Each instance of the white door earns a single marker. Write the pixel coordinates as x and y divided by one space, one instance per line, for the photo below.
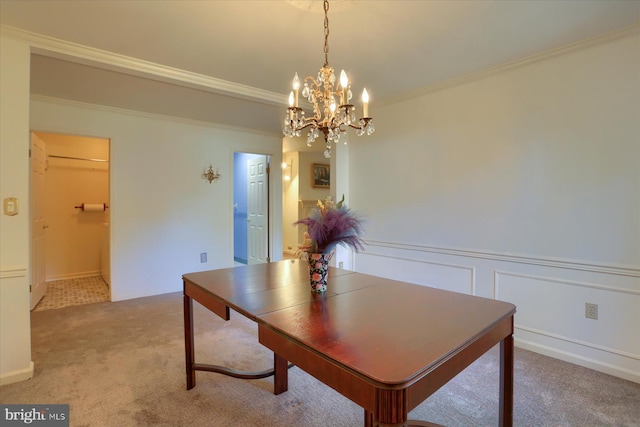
38 162
257 210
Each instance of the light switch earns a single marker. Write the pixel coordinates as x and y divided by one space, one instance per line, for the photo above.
10 206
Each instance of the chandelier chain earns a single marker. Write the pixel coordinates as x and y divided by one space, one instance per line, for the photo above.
326 33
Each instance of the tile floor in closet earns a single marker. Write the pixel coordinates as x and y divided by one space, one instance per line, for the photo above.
77 291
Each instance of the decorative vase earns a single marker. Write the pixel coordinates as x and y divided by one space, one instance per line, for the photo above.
318 269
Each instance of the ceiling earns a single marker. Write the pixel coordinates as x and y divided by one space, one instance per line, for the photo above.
231 62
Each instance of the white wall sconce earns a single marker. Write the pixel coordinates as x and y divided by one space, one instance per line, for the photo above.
287 169
211 175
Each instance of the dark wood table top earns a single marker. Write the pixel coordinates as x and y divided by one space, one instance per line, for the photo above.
389 332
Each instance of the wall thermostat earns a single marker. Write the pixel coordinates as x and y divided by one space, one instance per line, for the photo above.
10 206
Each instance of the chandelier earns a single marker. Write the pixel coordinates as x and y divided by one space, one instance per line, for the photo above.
332 112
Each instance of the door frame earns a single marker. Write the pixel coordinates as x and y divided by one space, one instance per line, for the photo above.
256 160
37 253
110 191
273 176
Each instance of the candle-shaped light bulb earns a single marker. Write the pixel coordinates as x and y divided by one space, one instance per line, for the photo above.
296 82
365 103
290 106
296 87
344 82
284 165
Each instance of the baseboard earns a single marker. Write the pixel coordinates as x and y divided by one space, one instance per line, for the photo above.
74 275
17 376
579 360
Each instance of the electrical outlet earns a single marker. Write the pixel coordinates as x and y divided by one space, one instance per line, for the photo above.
591 311
203 257
341 264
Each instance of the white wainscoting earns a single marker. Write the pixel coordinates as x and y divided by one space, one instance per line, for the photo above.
450 277
550 295
15 333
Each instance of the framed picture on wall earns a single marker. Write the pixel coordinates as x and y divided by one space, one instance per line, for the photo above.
321 175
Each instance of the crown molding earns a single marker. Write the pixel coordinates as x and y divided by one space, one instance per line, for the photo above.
529 60
61 49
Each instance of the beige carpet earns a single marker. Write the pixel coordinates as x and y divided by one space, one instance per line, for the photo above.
122 364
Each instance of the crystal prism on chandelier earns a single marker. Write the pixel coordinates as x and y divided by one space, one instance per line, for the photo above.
333 114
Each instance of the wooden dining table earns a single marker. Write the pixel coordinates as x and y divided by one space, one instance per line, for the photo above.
386 345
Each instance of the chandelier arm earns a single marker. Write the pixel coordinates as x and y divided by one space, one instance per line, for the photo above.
308 121
366 121
306 125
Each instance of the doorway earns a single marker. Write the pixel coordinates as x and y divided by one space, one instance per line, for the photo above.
251 234
69 227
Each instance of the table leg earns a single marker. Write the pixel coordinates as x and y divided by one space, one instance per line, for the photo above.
506 382
188 342
280 374
368 419
390 411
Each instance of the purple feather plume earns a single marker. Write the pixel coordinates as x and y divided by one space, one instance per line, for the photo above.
332 226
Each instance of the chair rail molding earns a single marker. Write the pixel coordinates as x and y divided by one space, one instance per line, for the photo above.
11 272
621 270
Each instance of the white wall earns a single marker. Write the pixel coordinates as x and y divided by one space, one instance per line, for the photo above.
15 333
300 189
306 190
163 213
290 189
340 186
524 186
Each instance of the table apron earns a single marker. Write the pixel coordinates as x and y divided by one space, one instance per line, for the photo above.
209 301
442 374
351 386
366 394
